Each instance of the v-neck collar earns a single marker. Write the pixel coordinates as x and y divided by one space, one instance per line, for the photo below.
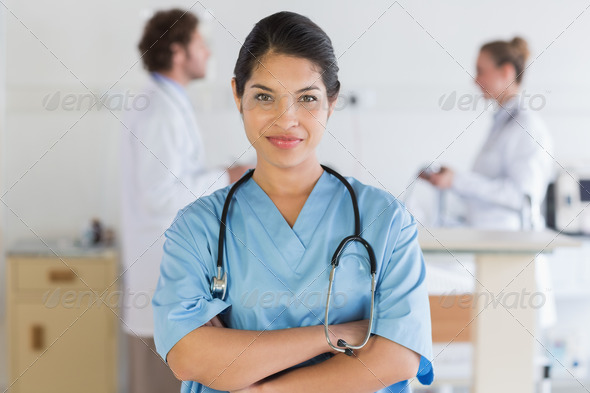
291 242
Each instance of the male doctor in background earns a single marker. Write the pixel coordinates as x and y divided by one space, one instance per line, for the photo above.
163 170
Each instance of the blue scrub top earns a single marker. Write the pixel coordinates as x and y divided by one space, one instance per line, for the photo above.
278 275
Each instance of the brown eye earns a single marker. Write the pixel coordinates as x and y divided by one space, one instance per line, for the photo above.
308 98
263 97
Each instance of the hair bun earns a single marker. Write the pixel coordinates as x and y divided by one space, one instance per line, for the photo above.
521 46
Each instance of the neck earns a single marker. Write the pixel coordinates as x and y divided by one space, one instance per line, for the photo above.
507 95
287 182
176 75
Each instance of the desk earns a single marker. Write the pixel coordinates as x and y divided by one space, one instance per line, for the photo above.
504 330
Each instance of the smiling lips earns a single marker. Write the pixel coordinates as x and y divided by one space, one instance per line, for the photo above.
284 142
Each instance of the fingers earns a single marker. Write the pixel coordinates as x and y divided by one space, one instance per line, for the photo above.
364 323
434 179
216 322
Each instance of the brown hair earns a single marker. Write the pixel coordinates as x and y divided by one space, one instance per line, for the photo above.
162 30
290 34
515 52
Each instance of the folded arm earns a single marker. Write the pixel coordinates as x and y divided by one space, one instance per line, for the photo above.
227 359
230 359
379 364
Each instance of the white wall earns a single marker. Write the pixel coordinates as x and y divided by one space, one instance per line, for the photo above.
60 166
3 338
410 56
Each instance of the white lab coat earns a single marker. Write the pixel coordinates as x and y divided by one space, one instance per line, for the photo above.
514 161
162 170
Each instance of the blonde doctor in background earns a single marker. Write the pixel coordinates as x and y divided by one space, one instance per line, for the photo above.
163 170
515 163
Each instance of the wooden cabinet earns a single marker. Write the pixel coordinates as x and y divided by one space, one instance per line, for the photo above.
62 337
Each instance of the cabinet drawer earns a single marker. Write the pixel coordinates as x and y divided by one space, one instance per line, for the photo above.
46 273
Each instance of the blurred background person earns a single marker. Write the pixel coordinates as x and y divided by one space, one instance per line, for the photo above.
163 170
513 169
508 182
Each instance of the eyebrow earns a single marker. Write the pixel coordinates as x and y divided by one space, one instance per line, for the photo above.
262 87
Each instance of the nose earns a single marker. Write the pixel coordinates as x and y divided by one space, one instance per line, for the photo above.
286 112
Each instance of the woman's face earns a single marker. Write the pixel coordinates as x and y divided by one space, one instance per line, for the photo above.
494 80
285 110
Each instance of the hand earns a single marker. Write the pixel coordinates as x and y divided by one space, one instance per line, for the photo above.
352 332
235 172
254 388
215 322
442 179
424 175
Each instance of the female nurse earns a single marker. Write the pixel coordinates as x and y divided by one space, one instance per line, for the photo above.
514 166
266 334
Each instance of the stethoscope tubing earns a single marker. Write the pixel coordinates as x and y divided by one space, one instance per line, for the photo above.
219 285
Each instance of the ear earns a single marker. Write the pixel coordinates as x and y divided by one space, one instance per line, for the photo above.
332 106
237 99
178 52
509 72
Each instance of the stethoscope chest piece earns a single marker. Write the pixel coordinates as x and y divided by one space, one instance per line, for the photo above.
219 285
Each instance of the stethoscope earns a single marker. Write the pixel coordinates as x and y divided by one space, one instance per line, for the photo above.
219 285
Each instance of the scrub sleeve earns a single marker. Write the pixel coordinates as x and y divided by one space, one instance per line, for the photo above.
402 309
182 301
